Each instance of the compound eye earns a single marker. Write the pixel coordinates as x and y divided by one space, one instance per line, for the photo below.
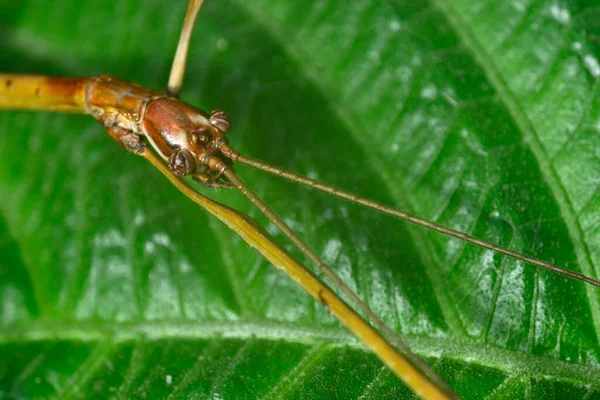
182 163
220 119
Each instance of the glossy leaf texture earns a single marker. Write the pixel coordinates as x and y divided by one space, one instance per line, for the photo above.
481 115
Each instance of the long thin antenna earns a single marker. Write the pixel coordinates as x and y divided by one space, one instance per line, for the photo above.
401 365
402 215
178 67
379 324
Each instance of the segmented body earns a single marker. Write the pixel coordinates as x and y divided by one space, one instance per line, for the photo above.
188 138
183 135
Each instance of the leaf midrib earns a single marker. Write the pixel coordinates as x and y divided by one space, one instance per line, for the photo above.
512 363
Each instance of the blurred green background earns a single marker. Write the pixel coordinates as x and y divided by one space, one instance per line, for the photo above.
481 115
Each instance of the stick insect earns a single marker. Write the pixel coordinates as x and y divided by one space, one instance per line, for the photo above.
221 45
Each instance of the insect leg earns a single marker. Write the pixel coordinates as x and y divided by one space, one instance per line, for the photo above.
132 142
178 67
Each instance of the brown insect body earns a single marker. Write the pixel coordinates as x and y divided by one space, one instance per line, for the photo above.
188 138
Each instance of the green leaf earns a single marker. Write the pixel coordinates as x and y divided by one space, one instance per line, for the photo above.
481 115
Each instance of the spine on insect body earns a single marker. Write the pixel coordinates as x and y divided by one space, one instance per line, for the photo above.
45 93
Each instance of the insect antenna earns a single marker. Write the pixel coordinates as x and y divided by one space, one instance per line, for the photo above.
311 183
390 335
173 89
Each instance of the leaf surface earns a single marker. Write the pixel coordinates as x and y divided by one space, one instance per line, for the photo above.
480 115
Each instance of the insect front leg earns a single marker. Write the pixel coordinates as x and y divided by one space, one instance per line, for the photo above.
132 142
